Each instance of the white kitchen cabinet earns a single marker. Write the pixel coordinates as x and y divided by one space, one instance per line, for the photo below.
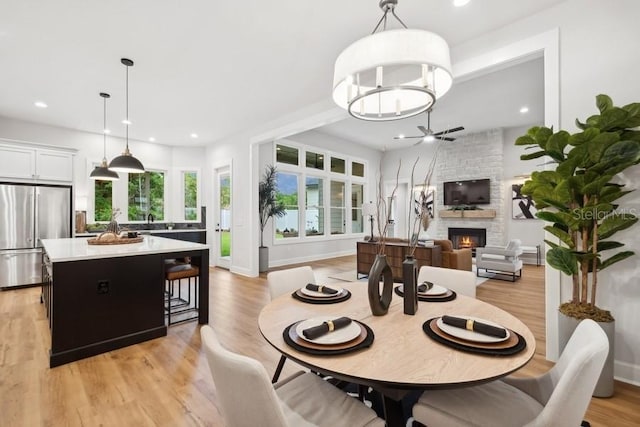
16 162
35 164
54 166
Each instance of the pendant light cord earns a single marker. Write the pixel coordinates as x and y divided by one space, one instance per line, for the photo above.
104 130
383 20
127 106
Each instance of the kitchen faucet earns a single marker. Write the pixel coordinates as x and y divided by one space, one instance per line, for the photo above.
150 219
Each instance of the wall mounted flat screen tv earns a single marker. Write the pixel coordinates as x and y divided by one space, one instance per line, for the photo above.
472 192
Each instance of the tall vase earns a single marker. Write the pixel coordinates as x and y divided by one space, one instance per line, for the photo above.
410 284
380 270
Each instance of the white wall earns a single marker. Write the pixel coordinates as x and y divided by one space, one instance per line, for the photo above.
598 45
89 150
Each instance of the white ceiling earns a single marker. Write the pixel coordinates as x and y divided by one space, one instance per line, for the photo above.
203 66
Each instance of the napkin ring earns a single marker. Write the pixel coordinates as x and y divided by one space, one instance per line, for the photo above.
320 287
470 324
330 325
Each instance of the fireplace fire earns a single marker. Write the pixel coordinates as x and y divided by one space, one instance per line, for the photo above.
472 238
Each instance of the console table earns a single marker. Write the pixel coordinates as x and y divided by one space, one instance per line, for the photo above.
396 252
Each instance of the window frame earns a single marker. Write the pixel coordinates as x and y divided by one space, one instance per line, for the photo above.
166 185
181 216
327 176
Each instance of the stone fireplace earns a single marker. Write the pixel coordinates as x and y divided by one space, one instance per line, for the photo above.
468 237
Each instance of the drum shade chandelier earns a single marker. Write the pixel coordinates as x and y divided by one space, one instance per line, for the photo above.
126 162
392 74
102 172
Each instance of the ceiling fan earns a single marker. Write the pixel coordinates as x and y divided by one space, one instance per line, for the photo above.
429 135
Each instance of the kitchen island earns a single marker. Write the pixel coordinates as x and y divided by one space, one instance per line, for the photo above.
104 297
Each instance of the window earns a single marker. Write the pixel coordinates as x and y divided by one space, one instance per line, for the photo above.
337 165
338 220
285 154
103 199
314 206
315 160
146 196
357 195
357 169
287 194
190 189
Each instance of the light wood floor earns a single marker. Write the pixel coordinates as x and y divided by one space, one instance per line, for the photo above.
166 382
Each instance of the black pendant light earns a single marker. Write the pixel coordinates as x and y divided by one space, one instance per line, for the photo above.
102 172
126 162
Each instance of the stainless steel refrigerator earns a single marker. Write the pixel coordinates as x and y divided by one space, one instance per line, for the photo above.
29 213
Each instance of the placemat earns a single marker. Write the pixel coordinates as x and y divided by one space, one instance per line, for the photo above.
342 296
515 344
364 340
448 296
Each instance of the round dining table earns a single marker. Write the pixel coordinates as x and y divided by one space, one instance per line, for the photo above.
402 357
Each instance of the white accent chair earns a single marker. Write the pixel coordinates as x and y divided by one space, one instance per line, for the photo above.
245 397
501 260
284 281
560 397
460 281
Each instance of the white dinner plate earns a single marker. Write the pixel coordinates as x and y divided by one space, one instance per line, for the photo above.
435 290
471 335
338 336
316 294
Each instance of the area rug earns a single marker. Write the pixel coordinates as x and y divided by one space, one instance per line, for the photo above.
352 276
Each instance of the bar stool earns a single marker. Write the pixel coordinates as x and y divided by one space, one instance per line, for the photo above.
176 303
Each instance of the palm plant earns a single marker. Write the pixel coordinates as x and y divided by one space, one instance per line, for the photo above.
268 205
580 196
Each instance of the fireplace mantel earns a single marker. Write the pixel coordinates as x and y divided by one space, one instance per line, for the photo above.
477 213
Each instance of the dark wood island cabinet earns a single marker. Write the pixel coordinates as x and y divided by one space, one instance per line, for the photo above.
100 298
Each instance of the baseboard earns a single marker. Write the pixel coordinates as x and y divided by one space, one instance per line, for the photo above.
626 372
317 257
241 271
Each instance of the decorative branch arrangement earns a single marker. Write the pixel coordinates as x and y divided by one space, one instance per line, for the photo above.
383 210
421 217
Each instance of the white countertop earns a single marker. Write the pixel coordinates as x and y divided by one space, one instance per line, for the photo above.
61 250
181 230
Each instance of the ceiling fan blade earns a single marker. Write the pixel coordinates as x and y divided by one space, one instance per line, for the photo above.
459 128
443 138
408 137
423 129
418 143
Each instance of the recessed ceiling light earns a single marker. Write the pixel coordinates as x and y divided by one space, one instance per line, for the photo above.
106 131
194 135
152 139
401 136
524 110
126 122
40 104
460 3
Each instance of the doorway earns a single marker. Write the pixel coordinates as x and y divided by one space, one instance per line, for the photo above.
222 216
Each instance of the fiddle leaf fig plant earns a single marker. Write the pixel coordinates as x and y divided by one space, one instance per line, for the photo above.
580 197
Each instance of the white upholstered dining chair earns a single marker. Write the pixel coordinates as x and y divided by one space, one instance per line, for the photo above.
460 281
560 397
283 281
247 398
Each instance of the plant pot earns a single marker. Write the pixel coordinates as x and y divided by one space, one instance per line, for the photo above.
566 326
380 271
410 284
263 258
